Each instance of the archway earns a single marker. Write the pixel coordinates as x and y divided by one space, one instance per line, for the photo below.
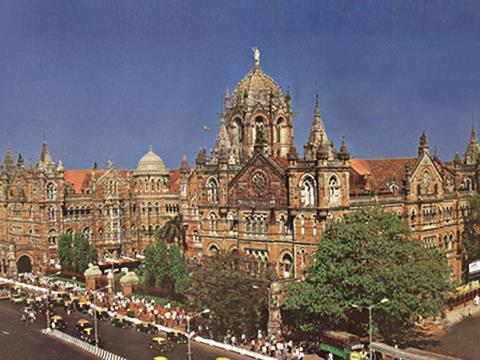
24 264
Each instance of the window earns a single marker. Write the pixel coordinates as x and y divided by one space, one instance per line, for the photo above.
195 236
100 234
50 191
333 190
282 225
52 238
286 264
212 190
213 222
87 234
314 227
232 223
307 186
302 224
51 213
133 231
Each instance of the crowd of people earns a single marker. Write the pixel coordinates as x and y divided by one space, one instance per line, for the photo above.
149 311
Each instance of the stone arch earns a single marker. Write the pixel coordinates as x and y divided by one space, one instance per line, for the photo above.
212 186
308 187
286 264
334 189
213 249
24 264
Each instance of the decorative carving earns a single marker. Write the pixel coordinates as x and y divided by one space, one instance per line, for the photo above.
259 182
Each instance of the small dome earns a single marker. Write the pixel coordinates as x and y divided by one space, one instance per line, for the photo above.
151 162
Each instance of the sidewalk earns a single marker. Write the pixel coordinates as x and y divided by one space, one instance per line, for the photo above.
461 312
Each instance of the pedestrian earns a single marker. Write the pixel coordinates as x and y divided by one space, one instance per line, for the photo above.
476 300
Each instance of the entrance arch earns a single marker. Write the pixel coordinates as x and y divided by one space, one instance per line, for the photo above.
24 264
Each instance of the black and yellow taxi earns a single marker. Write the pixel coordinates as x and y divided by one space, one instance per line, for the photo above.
57 322
82 324
122 322
177 336
102 313
160 343
147 327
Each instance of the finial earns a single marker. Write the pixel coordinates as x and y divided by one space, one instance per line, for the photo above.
256 56
150 148
317 103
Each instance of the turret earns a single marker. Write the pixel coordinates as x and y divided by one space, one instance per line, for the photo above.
318 136
8 162
473 149
343 153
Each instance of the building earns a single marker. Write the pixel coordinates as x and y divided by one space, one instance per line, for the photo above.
116 210
255 194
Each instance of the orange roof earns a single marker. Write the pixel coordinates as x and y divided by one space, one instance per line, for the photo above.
79 177
282 162
174 180
378 173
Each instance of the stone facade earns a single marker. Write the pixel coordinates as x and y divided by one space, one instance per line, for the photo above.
255 194
116 210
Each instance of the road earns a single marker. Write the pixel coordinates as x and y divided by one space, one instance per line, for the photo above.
19 341
461 340
124 342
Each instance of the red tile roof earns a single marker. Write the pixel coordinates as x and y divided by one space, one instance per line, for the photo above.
79 178
174 180
377 174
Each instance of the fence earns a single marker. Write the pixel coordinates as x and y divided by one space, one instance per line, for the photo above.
101 353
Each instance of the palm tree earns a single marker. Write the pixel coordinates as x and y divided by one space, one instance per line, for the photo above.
175 232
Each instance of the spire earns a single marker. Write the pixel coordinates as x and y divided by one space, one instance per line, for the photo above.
457 160
184 163
20 161
223 144
473 149
343 153
8 162
423 144
45 158
318 135
201 157
317 106
60 166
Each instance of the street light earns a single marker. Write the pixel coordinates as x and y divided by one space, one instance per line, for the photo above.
48 294
95 312
383 301
189 353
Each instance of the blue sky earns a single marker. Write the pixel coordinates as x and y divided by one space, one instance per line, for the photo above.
104 79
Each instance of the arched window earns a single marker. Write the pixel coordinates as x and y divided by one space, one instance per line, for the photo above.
69 232
87 234
212 190
302 224
196 236
307 186
213 249
50 191
52 238
314 225
450 242
133 231
213 222
51 213
100 234
232 223
413 216
286 264
426 180
333 190
282 225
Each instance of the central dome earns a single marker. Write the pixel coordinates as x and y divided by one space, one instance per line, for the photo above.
257 82
151 163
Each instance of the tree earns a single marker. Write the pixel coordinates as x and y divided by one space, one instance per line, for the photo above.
66 252
83 253
471 235
165 266
364 258
226 284
175 232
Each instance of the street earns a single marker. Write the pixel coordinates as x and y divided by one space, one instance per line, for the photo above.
26 341
461 340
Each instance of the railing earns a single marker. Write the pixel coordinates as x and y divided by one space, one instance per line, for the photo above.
96 351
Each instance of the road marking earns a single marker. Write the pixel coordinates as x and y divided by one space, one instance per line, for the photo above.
5 332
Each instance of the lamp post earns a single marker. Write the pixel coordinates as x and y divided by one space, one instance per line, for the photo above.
189 352
383 301
47 311
95 312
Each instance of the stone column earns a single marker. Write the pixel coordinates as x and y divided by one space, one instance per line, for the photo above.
127 282
91 275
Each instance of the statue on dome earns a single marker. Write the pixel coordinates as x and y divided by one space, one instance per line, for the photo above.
256 56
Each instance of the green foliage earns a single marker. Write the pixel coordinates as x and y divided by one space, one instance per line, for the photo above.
471 235
224 283
364 258
66 252
165 267
175 232
76 253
